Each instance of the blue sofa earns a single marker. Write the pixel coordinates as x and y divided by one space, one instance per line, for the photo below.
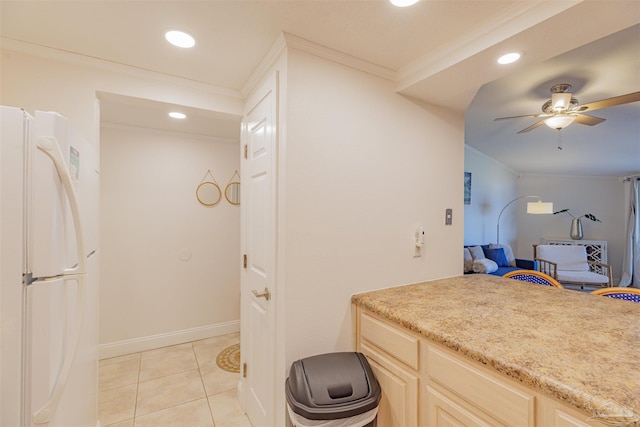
521 264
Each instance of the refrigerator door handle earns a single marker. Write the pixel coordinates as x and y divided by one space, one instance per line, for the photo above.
48 410
50 147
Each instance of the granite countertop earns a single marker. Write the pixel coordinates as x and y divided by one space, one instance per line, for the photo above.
583 349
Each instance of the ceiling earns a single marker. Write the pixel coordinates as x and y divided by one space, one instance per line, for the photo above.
602 69
439 51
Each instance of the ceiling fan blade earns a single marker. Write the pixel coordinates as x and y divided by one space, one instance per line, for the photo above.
532 127
522 117
585 119
609 102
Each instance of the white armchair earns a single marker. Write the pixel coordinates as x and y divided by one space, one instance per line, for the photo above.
568 264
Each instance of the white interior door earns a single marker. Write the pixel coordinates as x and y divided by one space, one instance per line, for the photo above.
258 277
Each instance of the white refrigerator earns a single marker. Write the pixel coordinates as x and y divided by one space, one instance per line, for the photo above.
49 189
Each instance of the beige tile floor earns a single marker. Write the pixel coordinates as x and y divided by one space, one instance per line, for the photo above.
171 386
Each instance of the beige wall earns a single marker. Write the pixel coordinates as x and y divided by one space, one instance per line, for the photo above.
41 79
168 263
360 167
493 185
365 166
53 81
602 196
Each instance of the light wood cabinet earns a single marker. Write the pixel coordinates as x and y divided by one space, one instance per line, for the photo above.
394 359
426 384
480 388
559 415
400 390
444 409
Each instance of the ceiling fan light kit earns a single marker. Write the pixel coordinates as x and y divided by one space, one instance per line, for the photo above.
563 109
559 121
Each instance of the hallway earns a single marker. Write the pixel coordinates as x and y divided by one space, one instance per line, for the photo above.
172 386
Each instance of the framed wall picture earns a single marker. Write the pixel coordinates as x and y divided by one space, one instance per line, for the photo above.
467 188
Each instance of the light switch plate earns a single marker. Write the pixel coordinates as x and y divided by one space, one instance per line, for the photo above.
448 216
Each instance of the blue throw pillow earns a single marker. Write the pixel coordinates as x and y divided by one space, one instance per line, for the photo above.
497 255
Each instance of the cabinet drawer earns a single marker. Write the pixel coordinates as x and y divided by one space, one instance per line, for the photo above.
444 410
403 347
492 395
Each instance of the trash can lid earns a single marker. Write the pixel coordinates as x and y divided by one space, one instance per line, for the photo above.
332 385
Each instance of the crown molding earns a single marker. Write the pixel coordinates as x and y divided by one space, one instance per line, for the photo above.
290 41
114 67
278 47
520 16
316 49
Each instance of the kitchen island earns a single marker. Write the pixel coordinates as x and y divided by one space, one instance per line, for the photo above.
485 350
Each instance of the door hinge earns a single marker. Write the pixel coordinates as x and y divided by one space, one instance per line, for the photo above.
246 148
244 261
244 370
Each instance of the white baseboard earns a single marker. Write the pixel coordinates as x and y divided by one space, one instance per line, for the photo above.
136 345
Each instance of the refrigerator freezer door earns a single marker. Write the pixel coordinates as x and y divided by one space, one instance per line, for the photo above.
52 139
54 238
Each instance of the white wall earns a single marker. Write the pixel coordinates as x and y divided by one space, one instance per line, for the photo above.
151 222
604 197
493 185
365 166
41 79
67 83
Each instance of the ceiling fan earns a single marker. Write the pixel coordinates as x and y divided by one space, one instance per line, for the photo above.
563 109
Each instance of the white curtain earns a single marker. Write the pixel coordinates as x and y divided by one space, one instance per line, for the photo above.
631 261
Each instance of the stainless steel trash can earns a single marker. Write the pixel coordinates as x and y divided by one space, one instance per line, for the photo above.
332 390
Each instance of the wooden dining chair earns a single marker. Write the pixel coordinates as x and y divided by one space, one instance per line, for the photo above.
533 276
628 294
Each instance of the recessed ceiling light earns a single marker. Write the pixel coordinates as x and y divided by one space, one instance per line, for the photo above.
509 58
179 38
403 3
177 115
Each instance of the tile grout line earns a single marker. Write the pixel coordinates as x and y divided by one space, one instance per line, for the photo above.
135 406
206 396
200 364
181 403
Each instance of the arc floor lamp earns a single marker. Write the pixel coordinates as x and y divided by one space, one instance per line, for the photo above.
535 208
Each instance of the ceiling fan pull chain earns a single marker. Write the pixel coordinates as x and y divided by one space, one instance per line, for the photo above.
559 140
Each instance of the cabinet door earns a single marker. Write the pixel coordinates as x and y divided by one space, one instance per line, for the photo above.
399 403
563 416
445 410
562 419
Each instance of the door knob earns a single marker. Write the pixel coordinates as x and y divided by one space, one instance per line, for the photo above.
264 294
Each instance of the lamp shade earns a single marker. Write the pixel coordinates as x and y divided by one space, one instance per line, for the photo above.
540 207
